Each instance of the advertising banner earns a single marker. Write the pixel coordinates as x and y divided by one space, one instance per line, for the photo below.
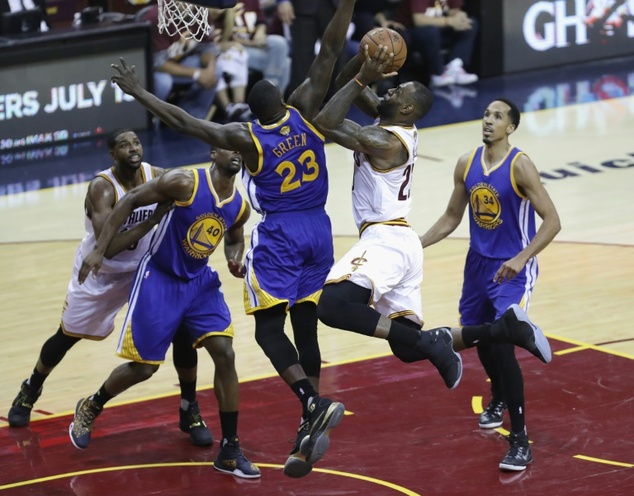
65 99
546 33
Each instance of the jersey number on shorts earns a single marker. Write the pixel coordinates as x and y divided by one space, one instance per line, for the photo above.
292 178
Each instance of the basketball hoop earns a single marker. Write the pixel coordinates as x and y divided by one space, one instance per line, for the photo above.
189 20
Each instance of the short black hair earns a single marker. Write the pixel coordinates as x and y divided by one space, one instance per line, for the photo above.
112 137
423 99
264 99
514 111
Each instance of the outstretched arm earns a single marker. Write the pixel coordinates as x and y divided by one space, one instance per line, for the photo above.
234 136
309 95
176 184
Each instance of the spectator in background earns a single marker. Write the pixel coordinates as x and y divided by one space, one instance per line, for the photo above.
186 65
370 14
231 67
307 21
18 5
268 53
434 25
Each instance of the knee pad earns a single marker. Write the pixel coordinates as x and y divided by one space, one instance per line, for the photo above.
403 352
183 353
304 322
270 336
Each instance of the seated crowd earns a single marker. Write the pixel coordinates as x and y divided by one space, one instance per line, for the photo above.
277 40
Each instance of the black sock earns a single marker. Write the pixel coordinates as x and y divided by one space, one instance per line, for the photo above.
188 390
102 396
403 334
229 425
473 335
36 381
304 390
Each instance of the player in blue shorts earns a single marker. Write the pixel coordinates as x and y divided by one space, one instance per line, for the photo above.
291 248
503 189
90 309
174 287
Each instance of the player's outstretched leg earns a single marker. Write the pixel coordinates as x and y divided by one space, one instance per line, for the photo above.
515 327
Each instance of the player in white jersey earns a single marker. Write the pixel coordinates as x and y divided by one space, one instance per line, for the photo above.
375 288
90 309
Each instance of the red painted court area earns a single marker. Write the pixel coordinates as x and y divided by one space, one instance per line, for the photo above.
405 433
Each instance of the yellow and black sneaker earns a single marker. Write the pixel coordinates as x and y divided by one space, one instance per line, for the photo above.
231 460
193 424
20 411
86 412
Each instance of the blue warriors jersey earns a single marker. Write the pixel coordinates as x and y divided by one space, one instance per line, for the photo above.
192 231
502 219
291 173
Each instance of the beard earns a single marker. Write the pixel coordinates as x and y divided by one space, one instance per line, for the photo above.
487 141
386 110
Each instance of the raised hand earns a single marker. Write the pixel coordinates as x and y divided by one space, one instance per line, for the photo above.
374 66
126 77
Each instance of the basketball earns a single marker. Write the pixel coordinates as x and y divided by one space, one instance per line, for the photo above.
388 38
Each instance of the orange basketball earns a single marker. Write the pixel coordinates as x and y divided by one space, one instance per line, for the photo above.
388 38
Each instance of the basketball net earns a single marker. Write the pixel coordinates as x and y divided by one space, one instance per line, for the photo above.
184 19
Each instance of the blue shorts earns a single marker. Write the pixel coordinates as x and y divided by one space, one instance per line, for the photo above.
290 256
483 300
160 303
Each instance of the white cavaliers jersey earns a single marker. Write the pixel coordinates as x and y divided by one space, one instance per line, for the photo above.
127 260
383 196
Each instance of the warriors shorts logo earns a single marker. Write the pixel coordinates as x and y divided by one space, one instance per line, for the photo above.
204 235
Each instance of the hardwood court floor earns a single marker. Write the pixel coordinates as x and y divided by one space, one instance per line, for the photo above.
404 433
425 443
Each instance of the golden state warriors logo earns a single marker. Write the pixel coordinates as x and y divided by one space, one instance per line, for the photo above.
204 235
485 206
285 130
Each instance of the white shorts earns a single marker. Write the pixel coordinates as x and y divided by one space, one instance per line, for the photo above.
90 308
389 261
234 63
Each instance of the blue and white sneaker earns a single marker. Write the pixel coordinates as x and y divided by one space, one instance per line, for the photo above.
231 460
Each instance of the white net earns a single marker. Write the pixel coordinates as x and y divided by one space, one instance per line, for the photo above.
185 19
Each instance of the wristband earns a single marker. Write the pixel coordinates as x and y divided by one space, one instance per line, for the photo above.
359 82
196 75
